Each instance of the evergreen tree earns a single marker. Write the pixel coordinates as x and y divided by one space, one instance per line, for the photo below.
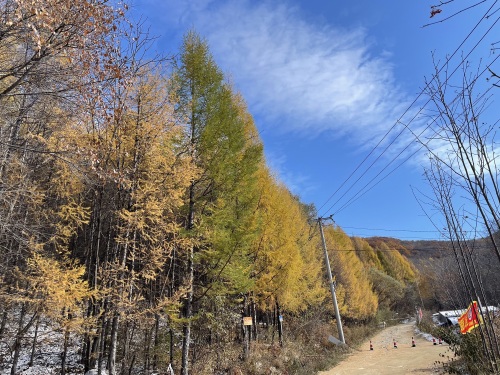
220 200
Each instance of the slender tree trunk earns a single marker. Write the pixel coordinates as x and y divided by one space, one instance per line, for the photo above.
92 345
156 342
254 320
147 354
13 137
188 313
102 340
113 342
132 363
126 350
33 345
171 346
280 323
273 323
21 331
65 352
245 330
17 342
94 350
3 324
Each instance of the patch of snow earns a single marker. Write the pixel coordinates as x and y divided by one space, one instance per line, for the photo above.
95 372
426 336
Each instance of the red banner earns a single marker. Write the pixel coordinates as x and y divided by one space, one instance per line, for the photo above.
470 319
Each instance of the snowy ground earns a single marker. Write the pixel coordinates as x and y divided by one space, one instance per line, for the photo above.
47 354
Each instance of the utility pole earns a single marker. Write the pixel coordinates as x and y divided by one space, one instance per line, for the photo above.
332 285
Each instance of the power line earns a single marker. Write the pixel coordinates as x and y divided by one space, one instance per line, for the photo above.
362 191
389 250
406 126
394 230
399 120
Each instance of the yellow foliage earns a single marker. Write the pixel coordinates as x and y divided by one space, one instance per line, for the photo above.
355 293
366 253
287 264
57 290
395 264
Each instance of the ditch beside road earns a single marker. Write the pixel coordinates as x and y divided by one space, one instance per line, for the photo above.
384 359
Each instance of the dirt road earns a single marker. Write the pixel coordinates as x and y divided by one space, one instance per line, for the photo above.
384 359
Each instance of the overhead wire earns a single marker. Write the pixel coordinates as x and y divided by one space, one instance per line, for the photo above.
406 126
417 137
393 230
362 191
404 113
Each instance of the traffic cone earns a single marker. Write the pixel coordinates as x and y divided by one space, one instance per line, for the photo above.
440 341
395 344
371 346
434 341
413 342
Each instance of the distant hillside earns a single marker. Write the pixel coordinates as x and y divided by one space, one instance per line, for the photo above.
414 250
440 283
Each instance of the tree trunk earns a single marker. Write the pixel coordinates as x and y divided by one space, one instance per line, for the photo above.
21 331
280 323
126 350
254 320
113 342
65 352
171 346
17 342
33 345
102 341
156 342
188 313
147 351
245 330
4 322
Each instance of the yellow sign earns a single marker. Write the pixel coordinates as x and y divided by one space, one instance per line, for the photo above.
247 320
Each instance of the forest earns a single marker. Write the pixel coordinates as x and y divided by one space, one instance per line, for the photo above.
139 221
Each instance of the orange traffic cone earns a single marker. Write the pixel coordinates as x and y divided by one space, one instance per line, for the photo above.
371 346
413 342
434 341
395 344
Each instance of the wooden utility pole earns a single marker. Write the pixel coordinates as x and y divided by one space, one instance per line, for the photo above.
330 281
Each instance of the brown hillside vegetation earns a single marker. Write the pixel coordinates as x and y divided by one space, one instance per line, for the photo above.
439 273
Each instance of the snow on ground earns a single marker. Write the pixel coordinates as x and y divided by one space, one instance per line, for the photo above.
426 336
47 354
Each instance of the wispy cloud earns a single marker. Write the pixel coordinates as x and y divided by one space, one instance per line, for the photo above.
306 78
297 182
298 77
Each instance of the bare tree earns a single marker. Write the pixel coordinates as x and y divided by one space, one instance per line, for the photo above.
464 175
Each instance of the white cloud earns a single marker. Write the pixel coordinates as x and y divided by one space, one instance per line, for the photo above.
306 78
298 77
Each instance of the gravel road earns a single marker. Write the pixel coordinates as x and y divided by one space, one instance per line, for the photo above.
384 359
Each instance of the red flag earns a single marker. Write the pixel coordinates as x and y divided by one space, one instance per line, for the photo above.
470 319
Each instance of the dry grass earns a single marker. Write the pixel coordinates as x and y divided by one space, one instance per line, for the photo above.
306 350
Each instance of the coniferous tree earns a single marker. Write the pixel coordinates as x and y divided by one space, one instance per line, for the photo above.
219 201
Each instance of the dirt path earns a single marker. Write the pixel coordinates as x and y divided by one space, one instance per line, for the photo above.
384 359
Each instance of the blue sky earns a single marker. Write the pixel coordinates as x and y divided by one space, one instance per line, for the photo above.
325 80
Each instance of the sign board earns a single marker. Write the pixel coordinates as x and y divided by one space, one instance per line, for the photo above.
280 318
247 320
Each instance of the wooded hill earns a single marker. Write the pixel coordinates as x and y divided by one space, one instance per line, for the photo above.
440 282
138 217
